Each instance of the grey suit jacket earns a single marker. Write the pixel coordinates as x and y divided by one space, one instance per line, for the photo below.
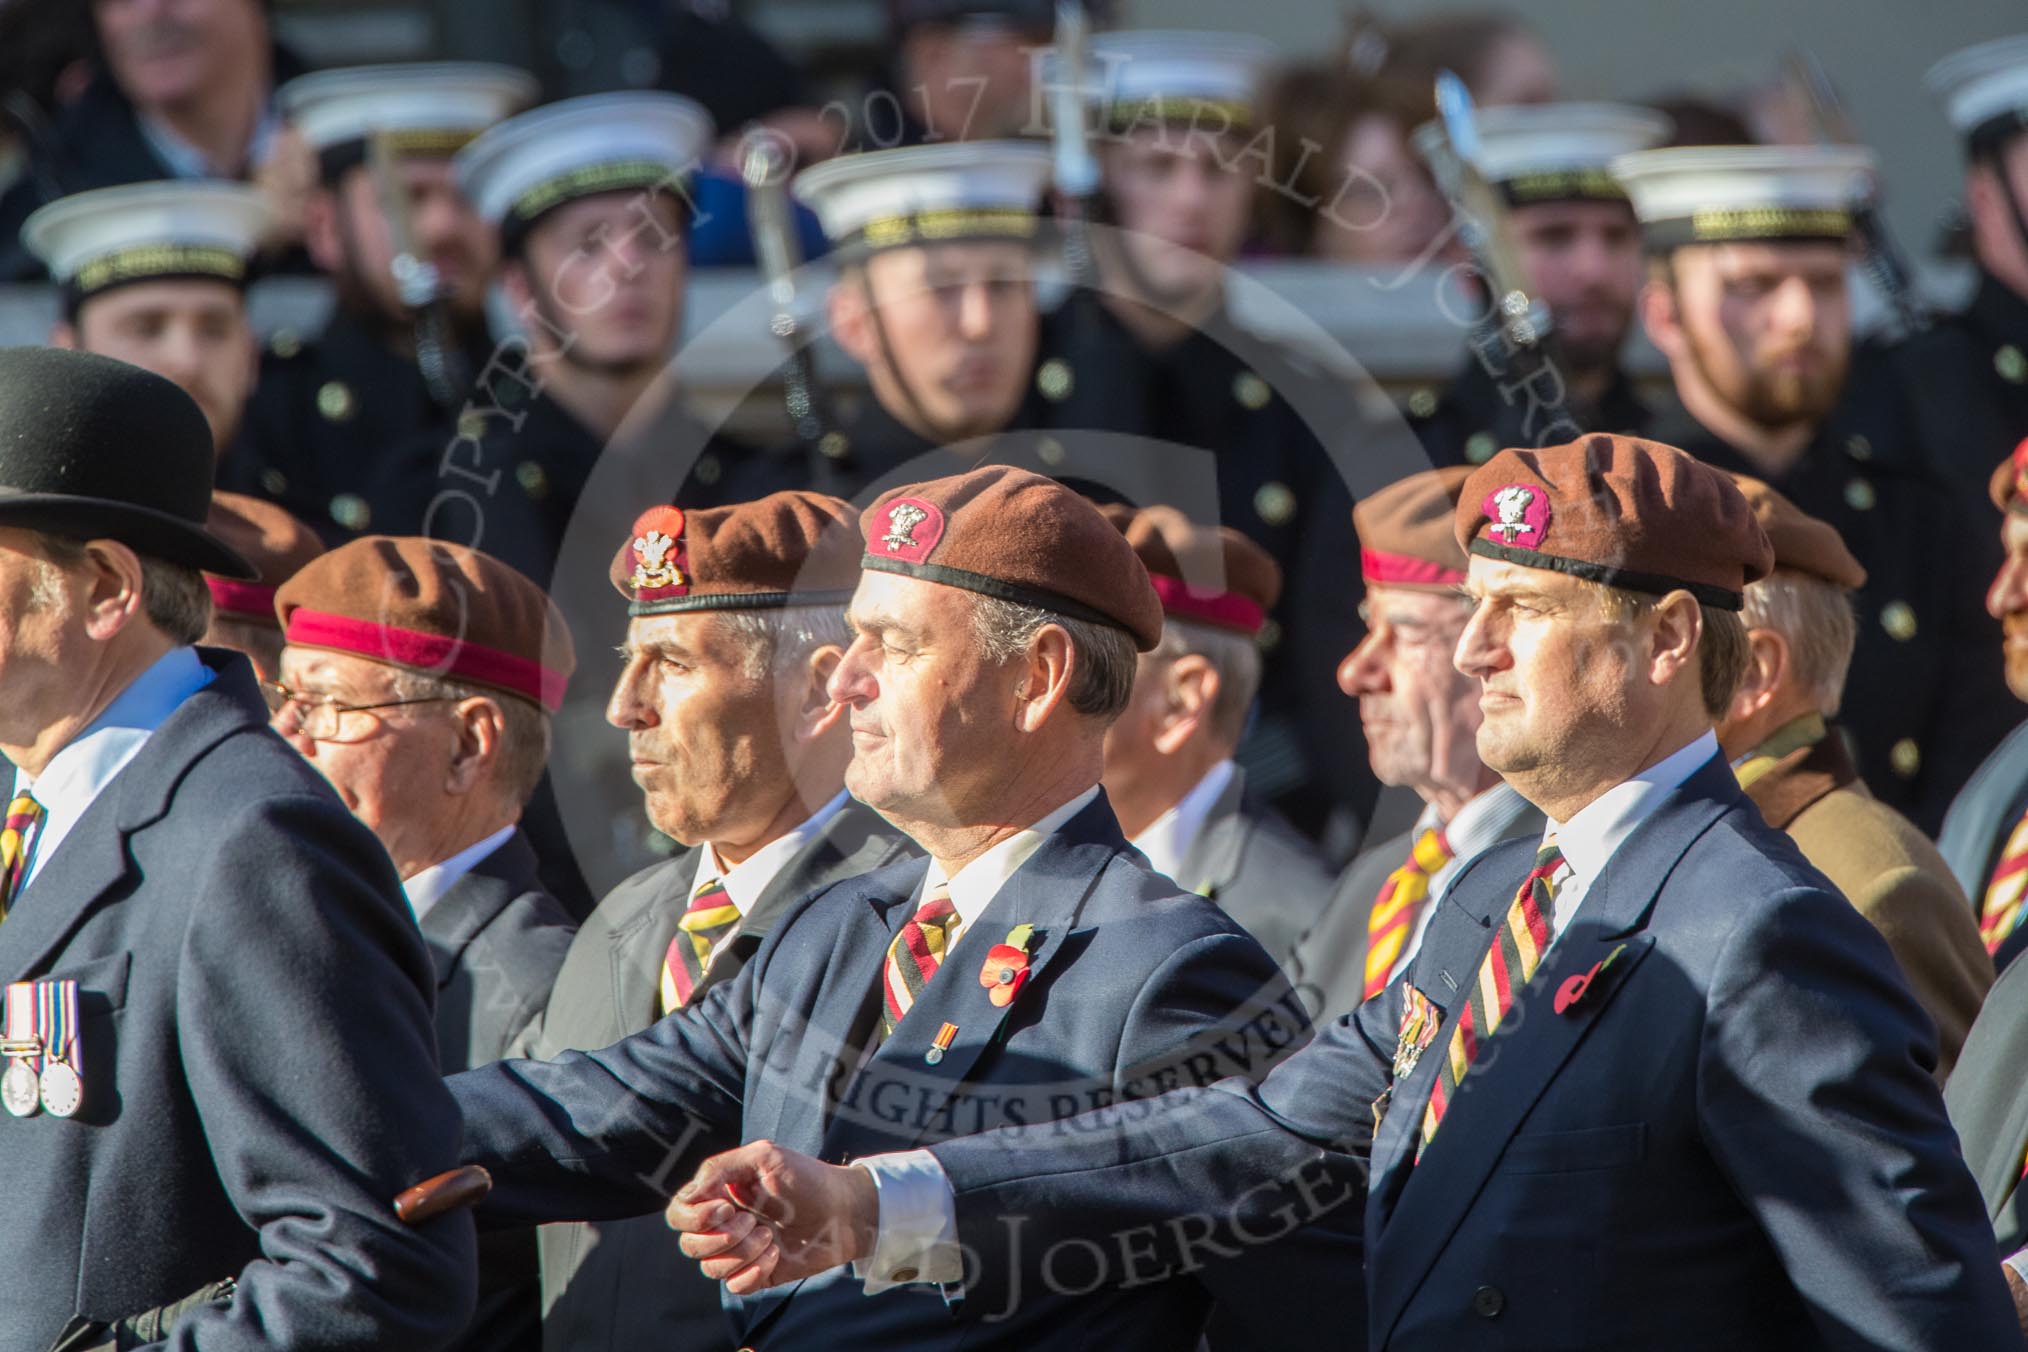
1988 1100
1329 967
1984 811
624 1285
1259 869
497 940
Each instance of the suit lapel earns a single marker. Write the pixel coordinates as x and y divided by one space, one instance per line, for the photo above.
475 901
1514 1067
640 941
1214 857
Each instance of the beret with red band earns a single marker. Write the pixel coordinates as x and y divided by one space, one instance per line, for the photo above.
274 542
1620 511
1014 535
434 607
1209 576
793 548
1408 534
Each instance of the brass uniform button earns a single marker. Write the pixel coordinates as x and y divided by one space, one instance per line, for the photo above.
902 1274
710 469
534 480
1270 636
1050 452
471 424
834 445
335 401
1422 402
1906 758
2012 366
350 511
285 343
1859 495
1859 447
1251 391
1275 503
1481 447
1898 619
1055 380
274 481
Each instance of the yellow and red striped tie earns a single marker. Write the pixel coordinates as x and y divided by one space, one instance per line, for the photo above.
1400 901
916 954
17 838
710 915
2001 910
1516 952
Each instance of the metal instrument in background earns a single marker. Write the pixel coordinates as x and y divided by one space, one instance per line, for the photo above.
417 282
1075 171
770 220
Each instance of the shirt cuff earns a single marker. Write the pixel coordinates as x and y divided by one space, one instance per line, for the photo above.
917 1236
2016 1261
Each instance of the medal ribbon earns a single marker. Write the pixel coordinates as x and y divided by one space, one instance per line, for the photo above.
56 1017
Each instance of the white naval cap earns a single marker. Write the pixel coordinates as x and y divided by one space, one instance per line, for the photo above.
422 107
928 194
621 142
139 232
1984 90
1556 152
1714 194
1157 75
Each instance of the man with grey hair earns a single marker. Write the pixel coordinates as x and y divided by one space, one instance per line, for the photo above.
1031 966
736 622
1169 770
1800 632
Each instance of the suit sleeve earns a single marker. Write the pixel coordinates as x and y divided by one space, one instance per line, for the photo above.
303 1013
1883 1235
602 1135
1194 1176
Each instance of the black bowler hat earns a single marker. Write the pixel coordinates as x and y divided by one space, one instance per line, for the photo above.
97 449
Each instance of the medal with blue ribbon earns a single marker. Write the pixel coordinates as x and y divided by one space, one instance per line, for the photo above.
61 1087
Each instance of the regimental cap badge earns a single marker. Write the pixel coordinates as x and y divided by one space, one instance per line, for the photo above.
910 529
658 555
1519 513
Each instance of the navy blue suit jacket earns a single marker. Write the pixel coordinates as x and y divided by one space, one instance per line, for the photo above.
1133 989
1732 1140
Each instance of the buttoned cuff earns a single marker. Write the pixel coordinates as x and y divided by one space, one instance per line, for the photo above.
917 1236
2016 1261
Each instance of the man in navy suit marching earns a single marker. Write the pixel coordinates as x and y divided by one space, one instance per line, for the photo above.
1031 968
1650 1081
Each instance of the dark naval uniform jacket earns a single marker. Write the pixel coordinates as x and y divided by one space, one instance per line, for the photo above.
1469 420
594 1294
1259 869
1967 378
1984 815
1130 985
260 1074
1925 699
1708 1122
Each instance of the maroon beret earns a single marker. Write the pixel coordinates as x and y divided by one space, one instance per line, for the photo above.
1801 542
438 608
1211 576
1408 533
1617 510
791 548
1008 533
274 542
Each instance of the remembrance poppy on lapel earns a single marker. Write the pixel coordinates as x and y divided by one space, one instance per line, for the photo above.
1006 969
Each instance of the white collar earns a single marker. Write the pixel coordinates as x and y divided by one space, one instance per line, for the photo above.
428 887
977 883
746 880
1168 839
1591 837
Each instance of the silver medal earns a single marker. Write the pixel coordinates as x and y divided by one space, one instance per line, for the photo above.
19 1092
61 1090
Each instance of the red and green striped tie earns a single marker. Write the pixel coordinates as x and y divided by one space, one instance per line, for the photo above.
17 838
709 917
2000 911
916 954
1516 952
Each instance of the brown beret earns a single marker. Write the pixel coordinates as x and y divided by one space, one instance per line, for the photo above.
1211 576
1801 542
1008 533
2009 483
1617 510
270 539
1408 532
430 606
792 548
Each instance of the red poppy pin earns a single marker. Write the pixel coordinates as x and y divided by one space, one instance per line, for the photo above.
1573 991
1006 969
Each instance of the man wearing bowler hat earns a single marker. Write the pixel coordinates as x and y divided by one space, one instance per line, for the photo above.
1031 966
219 1056
1650 1082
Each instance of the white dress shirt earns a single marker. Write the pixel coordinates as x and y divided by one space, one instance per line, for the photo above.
918 1216
1168 839
918 1222
427 888
1471 833
745 881
81 770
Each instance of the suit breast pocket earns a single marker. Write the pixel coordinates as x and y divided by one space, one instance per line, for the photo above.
101 983
1588 1148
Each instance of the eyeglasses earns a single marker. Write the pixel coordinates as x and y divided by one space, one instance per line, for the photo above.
323 719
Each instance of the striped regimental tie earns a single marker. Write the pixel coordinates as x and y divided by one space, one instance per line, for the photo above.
710 917
17 838
1401 900
1516 952
915 955
2001 910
